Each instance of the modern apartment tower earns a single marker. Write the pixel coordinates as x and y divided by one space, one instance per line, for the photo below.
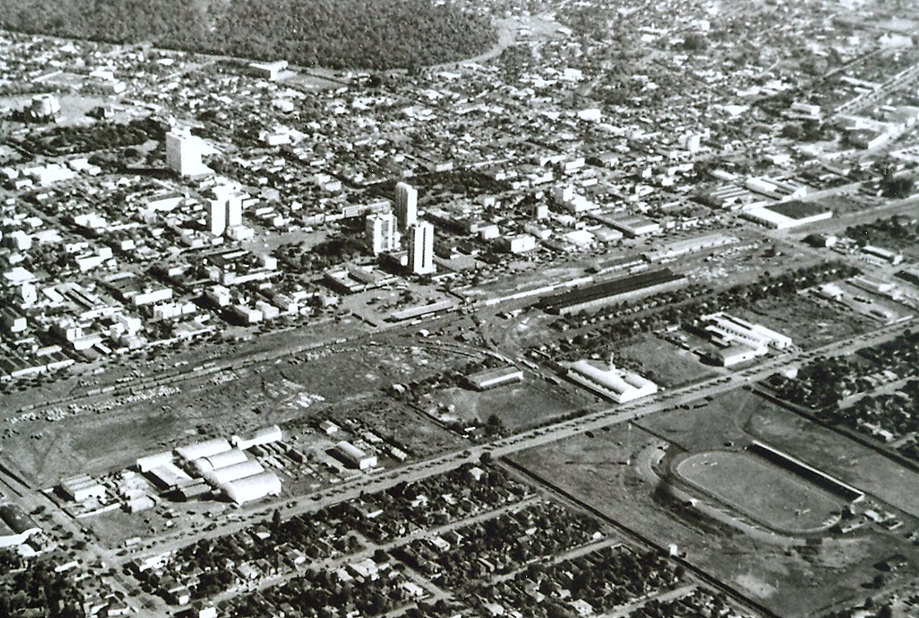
421 248
380 230
225 211
234 209
183 153
406 205
216 216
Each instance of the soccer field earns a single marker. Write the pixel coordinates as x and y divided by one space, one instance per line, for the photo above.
761 490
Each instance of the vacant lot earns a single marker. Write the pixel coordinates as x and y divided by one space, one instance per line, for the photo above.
662 362
761 490
394 421
237 401
519 406
810 322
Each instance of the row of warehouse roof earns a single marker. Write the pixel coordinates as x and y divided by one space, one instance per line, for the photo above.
218 463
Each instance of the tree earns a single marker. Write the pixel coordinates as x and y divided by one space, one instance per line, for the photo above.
897 187
695 42
556 610
494 426
792 131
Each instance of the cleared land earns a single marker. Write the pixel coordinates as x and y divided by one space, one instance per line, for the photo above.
662 362
300 389
810 322
620 473
761 490
519 406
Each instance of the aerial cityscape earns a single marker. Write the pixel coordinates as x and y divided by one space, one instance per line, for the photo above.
459 308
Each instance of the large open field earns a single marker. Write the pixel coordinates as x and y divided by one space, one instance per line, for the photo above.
294 389
761 490
810 322
743 416
519 406
662 362
622 473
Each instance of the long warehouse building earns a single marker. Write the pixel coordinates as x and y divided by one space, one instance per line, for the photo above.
207 448
220 476
253 487
608 293
220 460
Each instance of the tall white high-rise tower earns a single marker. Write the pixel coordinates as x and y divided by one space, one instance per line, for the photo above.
406 205
421 248
184 152
380 230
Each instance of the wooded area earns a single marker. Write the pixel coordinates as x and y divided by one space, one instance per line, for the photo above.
383 34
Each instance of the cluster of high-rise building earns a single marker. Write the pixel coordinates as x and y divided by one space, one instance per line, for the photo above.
381 233
385 231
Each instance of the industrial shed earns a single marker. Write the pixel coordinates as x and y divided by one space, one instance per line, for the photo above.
355 456
169 476
218 477
82 487
145 464
220 460
493 378
208 448
620 386
607 293
253 487
194 490
265 435
15 526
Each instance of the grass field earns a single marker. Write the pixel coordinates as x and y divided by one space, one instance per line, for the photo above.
743 416
519 406
810 322
761 490
662 362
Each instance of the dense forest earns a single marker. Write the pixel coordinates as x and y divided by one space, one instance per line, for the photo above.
382 34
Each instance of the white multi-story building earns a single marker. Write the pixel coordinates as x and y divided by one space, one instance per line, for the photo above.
421 249
381 232
184 152
46 106
406 205
216 216
225 212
